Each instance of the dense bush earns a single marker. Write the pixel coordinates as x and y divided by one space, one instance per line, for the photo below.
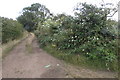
11 29
88 33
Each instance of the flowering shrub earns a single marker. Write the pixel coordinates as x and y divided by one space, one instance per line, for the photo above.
86 34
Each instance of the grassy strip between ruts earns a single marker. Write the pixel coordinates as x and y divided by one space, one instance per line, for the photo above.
6 48
78 60
29 47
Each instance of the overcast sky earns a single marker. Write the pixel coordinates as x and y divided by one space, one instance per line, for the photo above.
12 8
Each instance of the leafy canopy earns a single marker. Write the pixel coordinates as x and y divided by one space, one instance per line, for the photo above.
32 15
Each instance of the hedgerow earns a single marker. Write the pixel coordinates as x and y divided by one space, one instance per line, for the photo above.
11 30
88 34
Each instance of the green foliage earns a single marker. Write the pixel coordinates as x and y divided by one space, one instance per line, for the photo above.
78 60
32 15
0 30
11 30
27 20
88 33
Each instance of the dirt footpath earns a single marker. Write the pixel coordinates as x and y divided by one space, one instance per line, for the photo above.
27 60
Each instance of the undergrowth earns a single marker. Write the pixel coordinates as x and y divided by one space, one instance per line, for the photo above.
80 60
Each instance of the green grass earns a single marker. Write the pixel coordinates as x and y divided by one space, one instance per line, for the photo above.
78 60
29 48
6 48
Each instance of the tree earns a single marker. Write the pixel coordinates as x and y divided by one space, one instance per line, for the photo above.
110 12
32 15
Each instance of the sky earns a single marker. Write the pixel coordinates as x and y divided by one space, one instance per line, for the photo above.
13 8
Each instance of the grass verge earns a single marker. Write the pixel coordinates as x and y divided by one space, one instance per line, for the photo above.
79 60
6 48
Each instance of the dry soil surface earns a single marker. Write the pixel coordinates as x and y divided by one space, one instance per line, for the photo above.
27 60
